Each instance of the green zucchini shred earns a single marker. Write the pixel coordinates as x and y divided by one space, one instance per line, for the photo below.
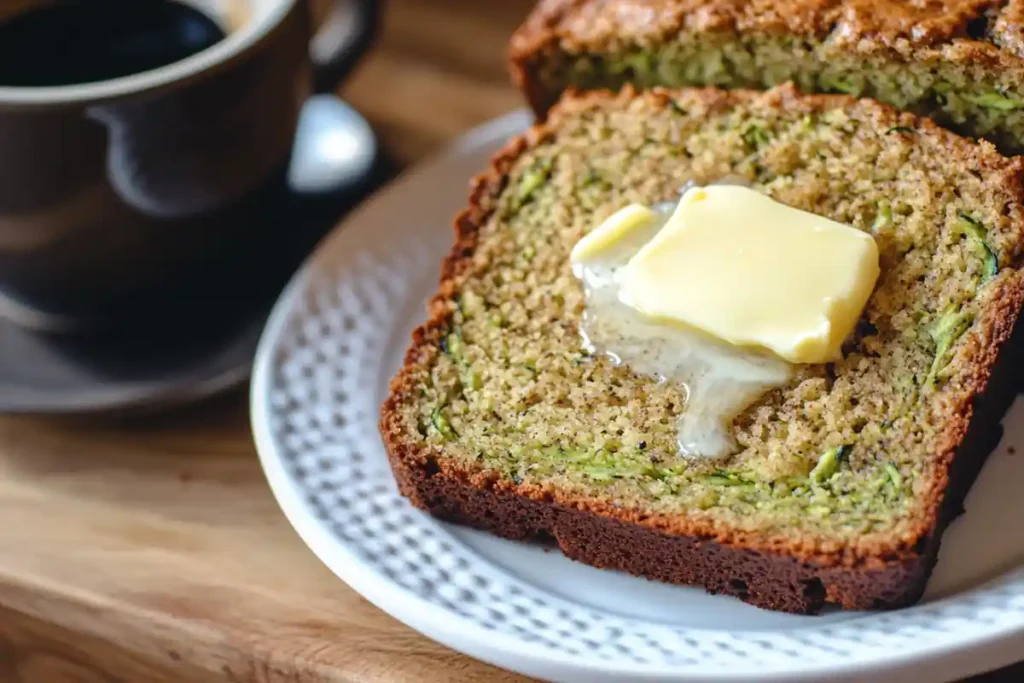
532 180
641 65
883 219
728 478
994 100
442 425
756 137
828 463
601 474
944 333
846 84
894 476
974 231
454 347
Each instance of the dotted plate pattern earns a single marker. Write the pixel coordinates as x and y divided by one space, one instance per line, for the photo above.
335 338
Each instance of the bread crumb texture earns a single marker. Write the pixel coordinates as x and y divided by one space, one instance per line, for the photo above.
850 455
960 62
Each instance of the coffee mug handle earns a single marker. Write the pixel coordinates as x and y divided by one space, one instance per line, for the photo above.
344 37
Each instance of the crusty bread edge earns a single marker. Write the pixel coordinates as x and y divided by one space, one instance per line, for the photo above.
786 574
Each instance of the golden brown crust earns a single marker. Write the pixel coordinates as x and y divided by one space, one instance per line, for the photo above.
595 25
896 566
766 579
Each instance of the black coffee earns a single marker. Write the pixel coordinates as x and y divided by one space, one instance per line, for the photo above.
84 41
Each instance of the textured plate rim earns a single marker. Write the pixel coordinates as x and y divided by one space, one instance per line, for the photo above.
998 647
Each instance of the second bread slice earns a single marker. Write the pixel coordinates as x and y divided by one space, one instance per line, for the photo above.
961 63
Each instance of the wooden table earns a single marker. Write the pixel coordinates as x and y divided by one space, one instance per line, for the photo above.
151 550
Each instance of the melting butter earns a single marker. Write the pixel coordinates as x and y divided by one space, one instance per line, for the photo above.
719 380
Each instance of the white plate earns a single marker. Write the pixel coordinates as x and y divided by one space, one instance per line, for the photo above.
337 336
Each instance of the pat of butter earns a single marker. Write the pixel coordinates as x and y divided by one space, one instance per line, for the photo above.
750 271
613 231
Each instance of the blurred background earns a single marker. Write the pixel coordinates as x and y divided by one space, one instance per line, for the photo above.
438 69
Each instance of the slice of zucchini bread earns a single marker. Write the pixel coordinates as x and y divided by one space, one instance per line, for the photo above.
845 478
960 62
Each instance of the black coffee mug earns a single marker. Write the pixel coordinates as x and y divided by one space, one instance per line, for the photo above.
113 190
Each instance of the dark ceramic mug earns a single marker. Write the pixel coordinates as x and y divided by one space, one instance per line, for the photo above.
111 191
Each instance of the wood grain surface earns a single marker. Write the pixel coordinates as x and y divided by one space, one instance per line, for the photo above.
152 550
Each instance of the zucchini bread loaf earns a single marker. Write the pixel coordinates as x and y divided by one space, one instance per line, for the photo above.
960 62
843 479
